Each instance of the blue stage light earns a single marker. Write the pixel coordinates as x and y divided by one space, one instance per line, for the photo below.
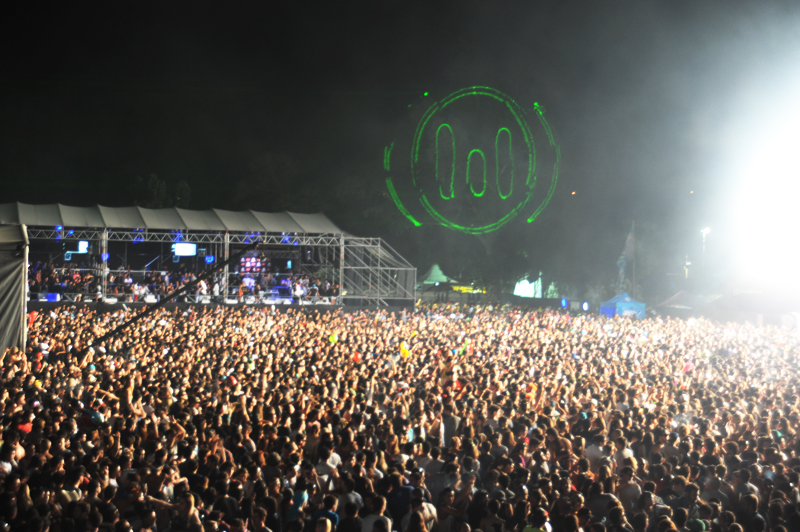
564 302
209 259
104 257
585 306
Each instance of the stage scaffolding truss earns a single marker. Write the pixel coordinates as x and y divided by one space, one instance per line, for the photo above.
369 271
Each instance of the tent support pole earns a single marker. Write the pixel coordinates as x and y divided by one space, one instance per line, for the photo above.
341 270
104 263
225 253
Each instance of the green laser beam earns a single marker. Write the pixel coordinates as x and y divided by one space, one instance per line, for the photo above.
469 160
497 163
398 203
420 127
552 189
452 163
387 156
474 230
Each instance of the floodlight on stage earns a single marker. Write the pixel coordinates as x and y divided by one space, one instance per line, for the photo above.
564 302
585 306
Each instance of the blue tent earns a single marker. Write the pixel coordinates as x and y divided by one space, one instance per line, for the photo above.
622 305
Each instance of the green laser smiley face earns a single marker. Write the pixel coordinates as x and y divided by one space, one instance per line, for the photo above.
473 163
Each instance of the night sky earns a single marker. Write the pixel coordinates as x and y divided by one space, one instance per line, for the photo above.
289 108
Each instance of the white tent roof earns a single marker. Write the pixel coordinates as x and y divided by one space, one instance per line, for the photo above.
436 275
165 219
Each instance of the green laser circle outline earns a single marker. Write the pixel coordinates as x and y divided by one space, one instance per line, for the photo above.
530 180
539 110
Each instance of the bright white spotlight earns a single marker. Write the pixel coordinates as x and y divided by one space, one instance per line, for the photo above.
766 250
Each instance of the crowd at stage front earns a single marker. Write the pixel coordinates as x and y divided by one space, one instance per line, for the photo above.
443 419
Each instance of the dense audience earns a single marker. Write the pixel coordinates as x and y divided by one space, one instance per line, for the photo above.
45 277
83 282
446 419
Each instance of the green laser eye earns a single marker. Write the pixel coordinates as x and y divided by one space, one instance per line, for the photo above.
515 160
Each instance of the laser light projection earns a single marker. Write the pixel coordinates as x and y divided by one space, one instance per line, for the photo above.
473 163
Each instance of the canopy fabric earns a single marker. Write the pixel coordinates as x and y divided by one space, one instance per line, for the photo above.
13 286
623 305
172 219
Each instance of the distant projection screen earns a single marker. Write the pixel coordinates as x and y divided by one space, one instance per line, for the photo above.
527 289
184 249
13 285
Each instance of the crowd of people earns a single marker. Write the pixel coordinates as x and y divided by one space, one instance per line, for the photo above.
442 419
83 282
45 277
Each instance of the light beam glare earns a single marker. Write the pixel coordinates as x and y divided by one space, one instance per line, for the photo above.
767 249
